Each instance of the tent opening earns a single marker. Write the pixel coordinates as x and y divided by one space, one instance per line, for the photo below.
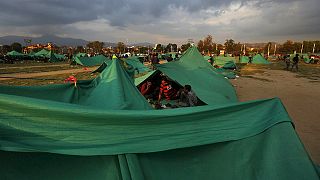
164 93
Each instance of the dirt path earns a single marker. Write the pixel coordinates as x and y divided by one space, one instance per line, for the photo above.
24 67
300 96
40 74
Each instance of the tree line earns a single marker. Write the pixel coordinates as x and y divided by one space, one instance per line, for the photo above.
205 46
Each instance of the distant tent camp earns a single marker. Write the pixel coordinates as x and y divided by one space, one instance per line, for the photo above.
104 129
257 59
16 54
91 61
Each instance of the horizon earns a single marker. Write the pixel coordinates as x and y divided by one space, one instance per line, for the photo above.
142 42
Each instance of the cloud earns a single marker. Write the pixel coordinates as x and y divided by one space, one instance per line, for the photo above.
166 20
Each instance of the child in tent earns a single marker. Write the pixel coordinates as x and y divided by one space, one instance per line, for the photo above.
187 97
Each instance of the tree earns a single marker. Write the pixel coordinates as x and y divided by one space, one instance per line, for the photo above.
159 48
95 46
206 45
184 47
5 49
16 47
121 47
80 49
171 47
200 46
229 44
287 47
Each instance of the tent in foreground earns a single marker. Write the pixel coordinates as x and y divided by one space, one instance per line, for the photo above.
103 129
41 139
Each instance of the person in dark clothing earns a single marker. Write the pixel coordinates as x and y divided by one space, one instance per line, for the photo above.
287 61
187 97
169 59
176 57
154 60
250 59
295 62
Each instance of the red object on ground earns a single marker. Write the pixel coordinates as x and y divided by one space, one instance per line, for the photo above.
71 79
85 68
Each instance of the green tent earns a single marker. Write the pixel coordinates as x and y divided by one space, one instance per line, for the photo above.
257 59
43 139
244 59
104 129
16 54
113 82
211 87
206 58
136 64
43 53
229 65
222 60
91 61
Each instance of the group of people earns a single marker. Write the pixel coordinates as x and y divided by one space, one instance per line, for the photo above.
295 62
169 93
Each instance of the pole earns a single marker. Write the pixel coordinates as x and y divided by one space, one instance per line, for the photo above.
314 47
301 48
268 50
275 49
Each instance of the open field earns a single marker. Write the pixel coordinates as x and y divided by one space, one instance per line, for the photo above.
299 91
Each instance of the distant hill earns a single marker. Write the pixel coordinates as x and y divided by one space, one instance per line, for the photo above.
59 41
146 44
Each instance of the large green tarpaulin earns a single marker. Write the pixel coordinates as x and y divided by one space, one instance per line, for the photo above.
104 129
211 87
54 140
91 61
257 59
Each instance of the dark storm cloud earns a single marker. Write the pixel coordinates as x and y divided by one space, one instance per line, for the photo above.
158 17
118 12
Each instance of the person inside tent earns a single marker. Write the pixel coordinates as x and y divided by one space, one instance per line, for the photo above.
187 97
149 91
167 90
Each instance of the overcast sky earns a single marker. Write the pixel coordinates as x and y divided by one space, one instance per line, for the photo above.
163 21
